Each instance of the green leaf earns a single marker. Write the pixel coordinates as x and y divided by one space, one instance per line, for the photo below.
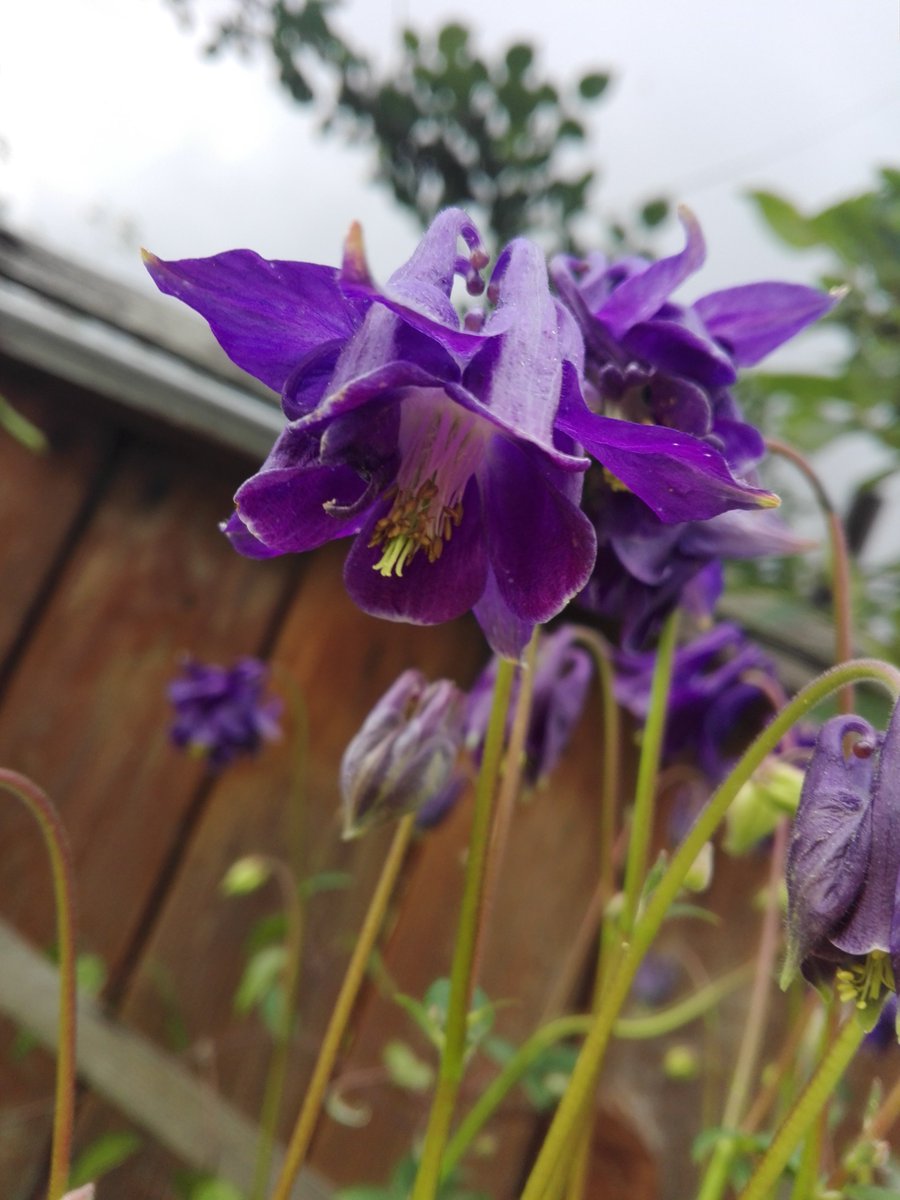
593 84
784 220
654 212
325 881
405 1067
108 1151
519 58
262 973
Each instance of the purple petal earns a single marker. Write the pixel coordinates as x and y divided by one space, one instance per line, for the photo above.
287 507
419 291
243 540
541 545
670 347
518 375
743 534
642 295
680 477
751 321
506 633
267 316
427 593
870 927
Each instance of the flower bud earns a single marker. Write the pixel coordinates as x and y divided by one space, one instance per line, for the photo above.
844 862
772 793
404 758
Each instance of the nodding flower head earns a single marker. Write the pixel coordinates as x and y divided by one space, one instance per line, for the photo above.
843 865
405 757
429 440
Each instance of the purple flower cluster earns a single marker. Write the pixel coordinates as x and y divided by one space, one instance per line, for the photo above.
661 370
454 451
221 712
724 688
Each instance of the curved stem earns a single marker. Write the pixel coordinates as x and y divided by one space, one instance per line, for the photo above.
840 563
493 1095
454 1053
648 769
278 1062
581 1087
814 1097
510 782
343 1008
716 1175
43 811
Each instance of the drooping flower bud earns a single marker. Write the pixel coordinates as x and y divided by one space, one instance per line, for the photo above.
844 863
404 758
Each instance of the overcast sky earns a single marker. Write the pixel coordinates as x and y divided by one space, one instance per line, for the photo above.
117 133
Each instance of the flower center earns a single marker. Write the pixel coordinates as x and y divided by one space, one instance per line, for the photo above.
865 982
440 446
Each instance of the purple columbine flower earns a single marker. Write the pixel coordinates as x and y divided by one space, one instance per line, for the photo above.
221 712
723 689
562 679
843 869
405 756
658 376
430 441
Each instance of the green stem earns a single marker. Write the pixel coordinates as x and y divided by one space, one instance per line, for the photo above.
610 782
507 793
580 1091
277 1072
716 1175
648 769
454 1053
293 901
816 1094
631 1028
43 811
496 1092
343 1008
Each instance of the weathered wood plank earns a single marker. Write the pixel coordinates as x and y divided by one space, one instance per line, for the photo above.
342 661
42 496
164 1099
85 713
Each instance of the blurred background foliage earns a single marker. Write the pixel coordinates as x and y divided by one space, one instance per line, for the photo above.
449 125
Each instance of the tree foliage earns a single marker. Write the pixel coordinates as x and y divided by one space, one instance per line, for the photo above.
449 125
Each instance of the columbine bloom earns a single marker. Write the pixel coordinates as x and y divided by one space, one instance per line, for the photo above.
562 678
669 435
843 866
221 712
405 756
430 441
723 686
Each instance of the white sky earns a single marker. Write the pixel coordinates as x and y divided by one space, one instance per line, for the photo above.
118 134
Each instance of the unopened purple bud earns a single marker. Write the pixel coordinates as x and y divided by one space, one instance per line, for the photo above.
844 863
404 758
